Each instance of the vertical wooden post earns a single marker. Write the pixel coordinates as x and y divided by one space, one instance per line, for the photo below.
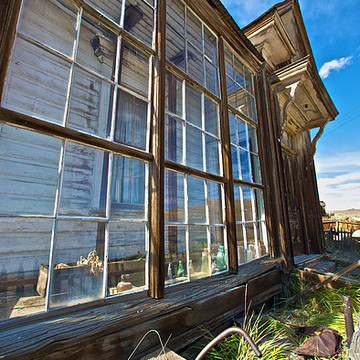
226 154
156 224
9 12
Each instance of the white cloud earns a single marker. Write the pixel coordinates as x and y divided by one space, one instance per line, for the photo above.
339 180
335 64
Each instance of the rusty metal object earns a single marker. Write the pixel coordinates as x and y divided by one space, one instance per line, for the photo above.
349 322
224 334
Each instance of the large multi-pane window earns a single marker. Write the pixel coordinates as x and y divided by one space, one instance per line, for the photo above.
74 217
74 198
251 234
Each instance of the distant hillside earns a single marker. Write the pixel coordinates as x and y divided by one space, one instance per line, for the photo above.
343 214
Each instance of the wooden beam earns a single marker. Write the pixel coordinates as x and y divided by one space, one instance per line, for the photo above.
156 224
9 12
226 154
32 123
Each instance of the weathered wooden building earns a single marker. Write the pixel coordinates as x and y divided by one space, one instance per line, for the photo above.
156 165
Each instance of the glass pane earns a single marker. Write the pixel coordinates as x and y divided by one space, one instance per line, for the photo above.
262 238
127 257
196 199
211 117
212 82
84 183
193 30
175 255
232 91
228 62
174 197
90 104
139 20
238 204
212 155
255 167
233 132
252 139
195 67
36 88
96 48
29 174
240 100
242 134
241 251
110 8
252 107
134 70
199 252
51 22
248 196
210 46
245 166
235 162
173 95
248 81
78 264
175 16
131 120
193 106
174 139
252 251
128 188
214 203
24 249
260 211
239 72
175 48
194 148
218 255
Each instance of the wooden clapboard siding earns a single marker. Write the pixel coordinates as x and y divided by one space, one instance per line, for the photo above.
111 8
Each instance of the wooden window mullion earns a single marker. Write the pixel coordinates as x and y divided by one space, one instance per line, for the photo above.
227 163
157 238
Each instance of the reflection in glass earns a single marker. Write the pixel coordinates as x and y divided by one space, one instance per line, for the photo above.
174 139
112 8
248 197
246 173
176 269
52 23
193 106
173 95
174 197
195 67
214 203
78 263
212 154
127 257
193 29
212 82
211 116
134 70
24 251
210 45
194 148
96 48
218 251
131 120
31 90
82 193
90 104
199 252
196 199
128 188
29 174
241 250
139 20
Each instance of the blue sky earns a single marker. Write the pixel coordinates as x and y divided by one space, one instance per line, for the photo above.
334 33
